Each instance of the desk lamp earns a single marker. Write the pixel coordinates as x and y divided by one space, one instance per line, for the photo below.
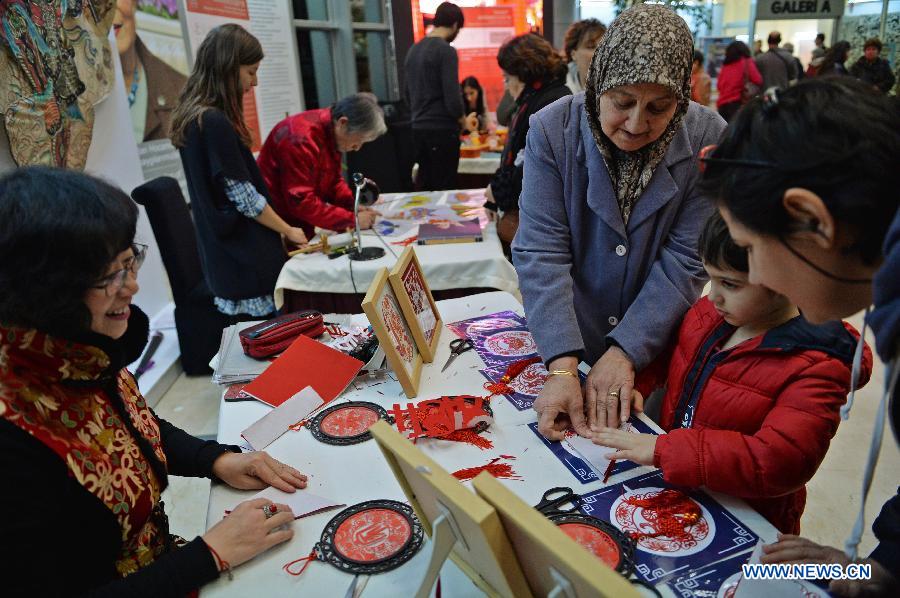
366 195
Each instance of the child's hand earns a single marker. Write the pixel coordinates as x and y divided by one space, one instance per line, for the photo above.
633 447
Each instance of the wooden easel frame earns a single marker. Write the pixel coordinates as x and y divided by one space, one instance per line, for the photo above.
427 349
477 542
408 380
553 563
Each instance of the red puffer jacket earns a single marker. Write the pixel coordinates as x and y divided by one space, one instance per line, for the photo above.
754 421
301 165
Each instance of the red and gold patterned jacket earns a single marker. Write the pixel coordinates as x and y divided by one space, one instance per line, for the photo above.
58 392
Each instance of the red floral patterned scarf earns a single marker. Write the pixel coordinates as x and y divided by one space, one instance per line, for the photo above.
56 390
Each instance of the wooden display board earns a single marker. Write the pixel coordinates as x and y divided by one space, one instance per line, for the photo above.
553 563
418 305
481 547
393 332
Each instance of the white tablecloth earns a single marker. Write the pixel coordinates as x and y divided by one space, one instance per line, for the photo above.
446 266
357 473
486 163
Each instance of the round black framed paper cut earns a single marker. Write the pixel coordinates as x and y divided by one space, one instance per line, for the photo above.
346 423
371 537
600 538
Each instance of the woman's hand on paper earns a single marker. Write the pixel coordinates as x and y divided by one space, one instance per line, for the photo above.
255 471
560 404
247 532
609 390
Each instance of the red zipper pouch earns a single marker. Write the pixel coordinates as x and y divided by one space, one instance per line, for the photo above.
275 335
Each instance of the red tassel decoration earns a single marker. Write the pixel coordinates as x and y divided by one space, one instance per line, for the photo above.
498 470
305 560
670 513
502 387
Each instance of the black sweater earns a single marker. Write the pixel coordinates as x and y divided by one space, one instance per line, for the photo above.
58 539
241 258
431 88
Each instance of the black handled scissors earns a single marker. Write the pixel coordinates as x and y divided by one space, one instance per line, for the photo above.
558 500
457 348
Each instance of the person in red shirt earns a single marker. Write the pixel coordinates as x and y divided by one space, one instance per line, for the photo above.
737 70
754 391
301 163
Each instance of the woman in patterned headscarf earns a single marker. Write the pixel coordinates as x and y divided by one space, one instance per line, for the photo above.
607 245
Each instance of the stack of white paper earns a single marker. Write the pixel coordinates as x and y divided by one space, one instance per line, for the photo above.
231 364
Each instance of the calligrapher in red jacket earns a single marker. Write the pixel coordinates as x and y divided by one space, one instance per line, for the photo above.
753 394
301 163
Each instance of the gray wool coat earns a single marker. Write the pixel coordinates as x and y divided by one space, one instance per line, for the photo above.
586 277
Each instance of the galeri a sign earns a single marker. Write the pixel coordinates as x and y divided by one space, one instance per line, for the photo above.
799 9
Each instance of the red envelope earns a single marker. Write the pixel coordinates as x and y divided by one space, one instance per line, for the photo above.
305 363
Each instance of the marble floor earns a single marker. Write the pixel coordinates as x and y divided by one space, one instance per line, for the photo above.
192 403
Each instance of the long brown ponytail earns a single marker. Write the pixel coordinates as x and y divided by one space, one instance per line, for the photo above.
215 80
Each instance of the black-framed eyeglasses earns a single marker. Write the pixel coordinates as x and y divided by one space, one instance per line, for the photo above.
114 282
704 158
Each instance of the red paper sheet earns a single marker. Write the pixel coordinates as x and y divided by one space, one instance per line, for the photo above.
305 363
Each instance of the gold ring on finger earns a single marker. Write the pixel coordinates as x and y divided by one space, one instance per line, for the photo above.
613 393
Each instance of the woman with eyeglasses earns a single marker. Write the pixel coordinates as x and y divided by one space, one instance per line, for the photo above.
84 458
607 245
807 181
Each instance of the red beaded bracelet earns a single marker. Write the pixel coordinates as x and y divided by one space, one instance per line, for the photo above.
221 563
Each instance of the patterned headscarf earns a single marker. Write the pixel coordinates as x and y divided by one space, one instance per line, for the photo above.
647 43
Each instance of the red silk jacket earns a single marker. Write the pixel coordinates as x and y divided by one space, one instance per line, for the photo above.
302 169
754 421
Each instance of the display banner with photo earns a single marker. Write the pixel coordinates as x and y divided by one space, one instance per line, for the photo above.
153 56
278 91
477 45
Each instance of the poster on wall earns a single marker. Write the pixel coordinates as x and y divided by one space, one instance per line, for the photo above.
488 24
154 63
278 91
477 45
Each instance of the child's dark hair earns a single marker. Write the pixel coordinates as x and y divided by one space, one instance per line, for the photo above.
718 249
835 137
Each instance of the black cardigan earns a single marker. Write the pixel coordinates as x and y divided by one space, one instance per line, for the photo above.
241 258
58 539
506 183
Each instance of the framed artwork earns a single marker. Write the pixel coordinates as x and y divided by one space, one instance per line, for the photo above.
550 558
477 543
417 303
394 334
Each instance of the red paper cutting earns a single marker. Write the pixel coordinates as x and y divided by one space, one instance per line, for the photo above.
595 540
498 470
347 422
669 513
371 536
458 418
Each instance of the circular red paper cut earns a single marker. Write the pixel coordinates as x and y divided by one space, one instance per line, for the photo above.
372 535
596 541
348 422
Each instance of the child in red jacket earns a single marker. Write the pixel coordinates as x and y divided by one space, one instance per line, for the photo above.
753 392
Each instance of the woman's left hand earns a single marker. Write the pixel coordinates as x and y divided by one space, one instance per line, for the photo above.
255 471
608 390
633 447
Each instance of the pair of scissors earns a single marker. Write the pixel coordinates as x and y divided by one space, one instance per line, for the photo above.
457 348
558 500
